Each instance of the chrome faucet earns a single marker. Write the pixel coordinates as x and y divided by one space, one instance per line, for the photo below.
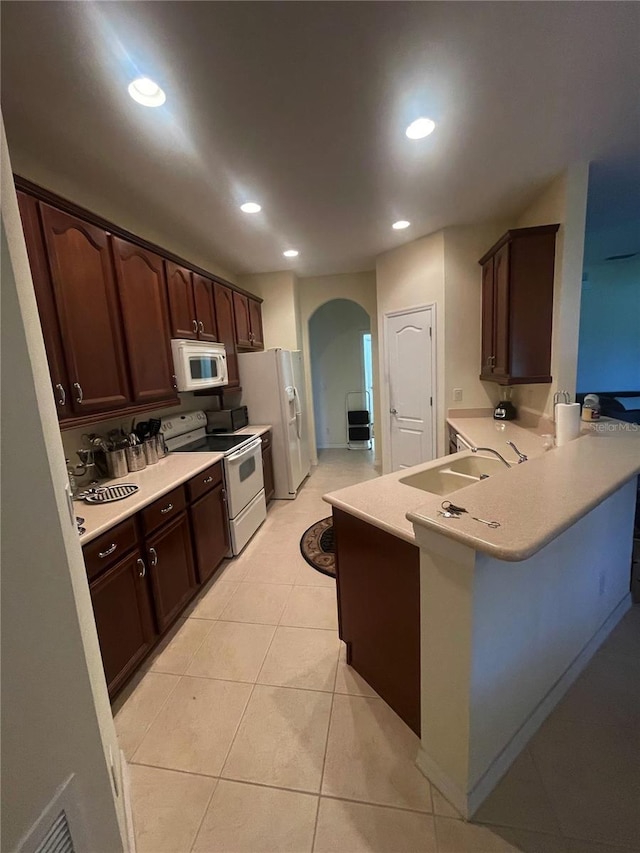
522 457
474 449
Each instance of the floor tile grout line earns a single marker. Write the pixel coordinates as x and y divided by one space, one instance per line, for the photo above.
324 763
319 794
242 716
158 712
204 813
190 659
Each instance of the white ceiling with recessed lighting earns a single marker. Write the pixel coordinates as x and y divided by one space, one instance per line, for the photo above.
303 107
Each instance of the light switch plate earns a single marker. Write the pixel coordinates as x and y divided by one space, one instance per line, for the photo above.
457 395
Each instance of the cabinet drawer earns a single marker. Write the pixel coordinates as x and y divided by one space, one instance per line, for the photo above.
266 440
109 547
204 481
164 509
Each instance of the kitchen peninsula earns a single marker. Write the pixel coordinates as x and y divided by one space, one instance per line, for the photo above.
509 615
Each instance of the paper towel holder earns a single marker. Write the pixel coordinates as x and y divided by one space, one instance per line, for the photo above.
560 397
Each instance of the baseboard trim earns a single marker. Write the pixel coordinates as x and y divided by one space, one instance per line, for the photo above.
468 803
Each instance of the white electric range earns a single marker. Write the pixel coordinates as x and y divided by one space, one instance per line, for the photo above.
244 483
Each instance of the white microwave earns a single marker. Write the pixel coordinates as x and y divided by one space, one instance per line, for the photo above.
199 365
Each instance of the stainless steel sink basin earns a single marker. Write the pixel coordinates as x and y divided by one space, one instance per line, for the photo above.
452 475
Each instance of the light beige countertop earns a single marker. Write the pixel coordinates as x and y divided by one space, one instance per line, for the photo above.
485 432
534 502
154 481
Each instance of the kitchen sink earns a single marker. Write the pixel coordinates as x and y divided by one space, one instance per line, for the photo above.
477 465
450 476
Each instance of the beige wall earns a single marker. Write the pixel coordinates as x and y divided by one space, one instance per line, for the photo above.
563 201
56 717
134 217
280 312
409 277
315 291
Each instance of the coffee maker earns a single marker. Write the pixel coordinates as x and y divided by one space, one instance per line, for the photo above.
505 410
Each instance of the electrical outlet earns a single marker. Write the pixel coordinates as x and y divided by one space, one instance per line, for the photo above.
457 395
602 582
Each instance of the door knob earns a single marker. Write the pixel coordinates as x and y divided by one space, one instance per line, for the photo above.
393 411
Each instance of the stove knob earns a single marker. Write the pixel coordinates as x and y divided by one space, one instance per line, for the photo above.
167 426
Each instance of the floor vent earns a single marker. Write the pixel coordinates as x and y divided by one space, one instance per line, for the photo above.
58 838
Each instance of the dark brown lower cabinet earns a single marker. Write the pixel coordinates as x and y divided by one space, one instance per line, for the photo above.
170 565
122 610
378 585
210 532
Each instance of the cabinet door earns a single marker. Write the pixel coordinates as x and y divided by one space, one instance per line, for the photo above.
501 312
182 310
87 307
486 368
210 532
255 315
226 332
267 470
170 563
141 284
46 304
243 319
205 309
122 610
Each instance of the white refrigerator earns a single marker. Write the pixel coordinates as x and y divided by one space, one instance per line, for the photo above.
273 389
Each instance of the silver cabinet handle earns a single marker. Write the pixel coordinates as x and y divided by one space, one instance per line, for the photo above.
208 480
62 399
154 556
195 327
167 509
143 568
393 411
223 495
106 553
201 327
78 388
175 381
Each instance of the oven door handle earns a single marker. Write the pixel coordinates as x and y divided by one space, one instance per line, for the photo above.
245 451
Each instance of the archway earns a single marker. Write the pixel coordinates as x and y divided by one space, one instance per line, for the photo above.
340 360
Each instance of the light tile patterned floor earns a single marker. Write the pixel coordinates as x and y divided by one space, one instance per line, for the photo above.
248 733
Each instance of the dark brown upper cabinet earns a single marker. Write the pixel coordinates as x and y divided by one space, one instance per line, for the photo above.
86 305
142 288
205 308
182 308
517 306
191 307
248 322
255 314
110 302
223 297
36 251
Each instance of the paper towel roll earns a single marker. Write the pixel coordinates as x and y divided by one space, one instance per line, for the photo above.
567 422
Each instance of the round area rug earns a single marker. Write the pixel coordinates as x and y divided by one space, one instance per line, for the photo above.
317 547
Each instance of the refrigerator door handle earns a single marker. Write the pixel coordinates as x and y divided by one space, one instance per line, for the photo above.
298 411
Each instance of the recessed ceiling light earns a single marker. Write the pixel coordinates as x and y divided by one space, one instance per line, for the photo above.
250 207
420 128
291 253
400 224
146 92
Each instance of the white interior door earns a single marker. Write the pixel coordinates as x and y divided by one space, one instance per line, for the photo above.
410 363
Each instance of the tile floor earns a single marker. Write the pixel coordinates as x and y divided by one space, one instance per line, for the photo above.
248 733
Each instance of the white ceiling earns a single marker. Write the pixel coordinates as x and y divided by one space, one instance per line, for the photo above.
302 106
